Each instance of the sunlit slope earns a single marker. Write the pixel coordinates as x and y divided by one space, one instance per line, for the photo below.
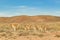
24 18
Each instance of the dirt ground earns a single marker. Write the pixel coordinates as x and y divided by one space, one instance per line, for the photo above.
32 38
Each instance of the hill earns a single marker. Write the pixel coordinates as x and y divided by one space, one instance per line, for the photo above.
24 18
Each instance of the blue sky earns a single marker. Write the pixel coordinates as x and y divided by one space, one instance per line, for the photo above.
29 7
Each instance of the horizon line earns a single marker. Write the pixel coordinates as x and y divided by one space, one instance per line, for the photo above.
29 15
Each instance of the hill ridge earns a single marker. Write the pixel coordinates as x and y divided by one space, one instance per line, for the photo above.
25 18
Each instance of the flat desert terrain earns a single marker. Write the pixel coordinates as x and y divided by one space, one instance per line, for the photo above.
30 28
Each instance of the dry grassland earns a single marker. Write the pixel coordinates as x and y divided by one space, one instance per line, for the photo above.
30 31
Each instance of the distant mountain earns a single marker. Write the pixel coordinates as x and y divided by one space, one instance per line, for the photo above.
24 18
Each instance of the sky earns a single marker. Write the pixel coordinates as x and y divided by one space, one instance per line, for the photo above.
29 7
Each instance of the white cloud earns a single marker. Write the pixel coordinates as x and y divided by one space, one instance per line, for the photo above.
3 14
26 10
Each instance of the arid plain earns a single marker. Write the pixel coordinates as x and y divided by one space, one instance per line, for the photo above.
41 27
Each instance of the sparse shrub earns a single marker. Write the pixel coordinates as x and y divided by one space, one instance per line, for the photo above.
40 35
23 34
57 36
32 28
